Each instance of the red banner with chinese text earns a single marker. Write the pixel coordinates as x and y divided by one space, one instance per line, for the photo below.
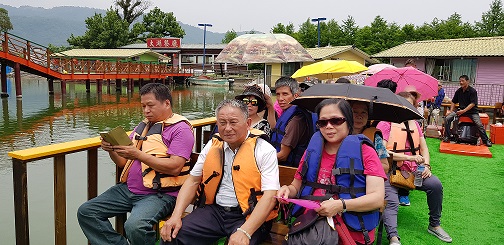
163 42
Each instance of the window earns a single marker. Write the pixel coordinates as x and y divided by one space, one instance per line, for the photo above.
289 68
188 59
451 69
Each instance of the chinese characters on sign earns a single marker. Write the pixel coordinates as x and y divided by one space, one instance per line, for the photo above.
163 42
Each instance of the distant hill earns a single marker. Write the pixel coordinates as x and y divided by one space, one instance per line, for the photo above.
54 25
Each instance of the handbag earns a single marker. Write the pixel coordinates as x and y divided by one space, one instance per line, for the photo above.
402 179
311 229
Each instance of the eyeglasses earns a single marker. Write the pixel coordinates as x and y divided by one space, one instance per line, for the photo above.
247 101
335 121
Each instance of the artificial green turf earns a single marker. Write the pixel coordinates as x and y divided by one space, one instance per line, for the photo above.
473 204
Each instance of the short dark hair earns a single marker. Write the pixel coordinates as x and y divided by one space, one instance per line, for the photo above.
465 77
160 91
342 80
344 107
288 82
387 83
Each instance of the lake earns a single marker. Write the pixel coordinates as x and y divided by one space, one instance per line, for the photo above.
39 119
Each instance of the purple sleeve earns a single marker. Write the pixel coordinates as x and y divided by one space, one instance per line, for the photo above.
180 140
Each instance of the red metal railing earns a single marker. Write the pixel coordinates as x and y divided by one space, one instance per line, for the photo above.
39 57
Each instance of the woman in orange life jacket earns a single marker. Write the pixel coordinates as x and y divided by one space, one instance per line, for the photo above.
362 126
397 133
335 124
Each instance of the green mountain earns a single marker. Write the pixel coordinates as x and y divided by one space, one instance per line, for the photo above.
54 25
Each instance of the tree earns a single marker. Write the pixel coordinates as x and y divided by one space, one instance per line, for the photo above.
492 21
58 49
307 34
229 36
349 29
285 29
107 31
378 36
157 23
5 23
331 34
453 27
130 9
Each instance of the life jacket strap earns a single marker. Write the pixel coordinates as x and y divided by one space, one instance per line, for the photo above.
340 171
334 189
252 201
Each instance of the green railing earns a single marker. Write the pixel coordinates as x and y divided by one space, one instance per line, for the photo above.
58 152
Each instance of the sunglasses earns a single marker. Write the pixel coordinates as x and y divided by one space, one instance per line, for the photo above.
247 101
335 121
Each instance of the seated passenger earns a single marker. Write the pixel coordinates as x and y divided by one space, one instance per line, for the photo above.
253 97
361 126
467 98
410 151
237 177
331 148
294 127
154 169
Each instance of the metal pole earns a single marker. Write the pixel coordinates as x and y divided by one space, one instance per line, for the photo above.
318 31
204 48
204 42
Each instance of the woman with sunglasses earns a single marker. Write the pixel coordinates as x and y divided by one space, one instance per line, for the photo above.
253 97
341 171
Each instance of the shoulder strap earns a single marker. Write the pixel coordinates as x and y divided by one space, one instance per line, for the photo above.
410 138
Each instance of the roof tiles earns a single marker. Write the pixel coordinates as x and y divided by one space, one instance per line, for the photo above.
463 47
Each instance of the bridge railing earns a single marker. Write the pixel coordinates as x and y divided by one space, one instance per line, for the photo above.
58 152
60 63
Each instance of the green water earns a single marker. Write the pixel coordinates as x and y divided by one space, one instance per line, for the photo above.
38 119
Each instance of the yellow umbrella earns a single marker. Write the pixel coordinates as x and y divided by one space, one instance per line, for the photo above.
328 69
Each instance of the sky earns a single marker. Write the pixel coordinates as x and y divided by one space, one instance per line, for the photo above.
262 15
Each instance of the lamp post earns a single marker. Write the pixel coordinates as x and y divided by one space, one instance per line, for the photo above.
204 42
318 20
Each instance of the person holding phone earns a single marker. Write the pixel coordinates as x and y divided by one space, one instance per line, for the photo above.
154 169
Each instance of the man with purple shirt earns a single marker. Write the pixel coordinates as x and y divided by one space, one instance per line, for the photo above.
154 169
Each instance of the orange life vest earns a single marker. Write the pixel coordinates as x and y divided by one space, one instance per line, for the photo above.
148 138
399 135
371 133
245 173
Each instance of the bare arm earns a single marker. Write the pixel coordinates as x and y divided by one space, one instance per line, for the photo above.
375 194
284 152
118 160
404 157
465 109
271 111
171 165
185 197
385 164
257 218
290 191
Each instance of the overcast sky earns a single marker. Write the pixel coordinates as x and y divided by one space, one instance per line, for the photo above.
262 15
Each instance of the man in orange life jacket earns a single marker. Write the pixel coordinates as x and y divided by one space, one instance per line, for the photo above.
154 169
236 177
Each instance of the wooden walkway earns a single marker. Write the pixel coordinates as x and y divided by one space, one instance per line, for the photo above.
24 55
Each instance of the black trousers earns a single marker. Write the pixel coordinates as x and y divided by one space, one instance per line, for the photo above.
208 224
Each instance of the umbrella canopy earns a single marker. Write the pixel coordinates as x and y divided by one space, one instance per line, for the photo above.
263 48
328 69
372 69
386 106
425 84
